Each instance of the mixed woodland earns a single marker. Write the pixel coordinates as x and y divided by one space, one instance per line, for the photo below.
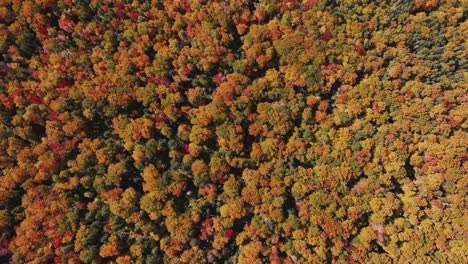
205 131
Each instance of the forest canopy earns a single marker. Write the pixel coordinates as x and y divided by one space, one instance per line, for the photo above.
214 131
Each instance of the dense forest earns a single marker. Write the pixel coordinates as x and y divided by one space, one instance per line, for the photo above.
204 131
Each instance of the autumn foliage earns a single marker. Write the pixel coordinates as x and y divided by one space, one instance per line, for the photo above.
206 131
